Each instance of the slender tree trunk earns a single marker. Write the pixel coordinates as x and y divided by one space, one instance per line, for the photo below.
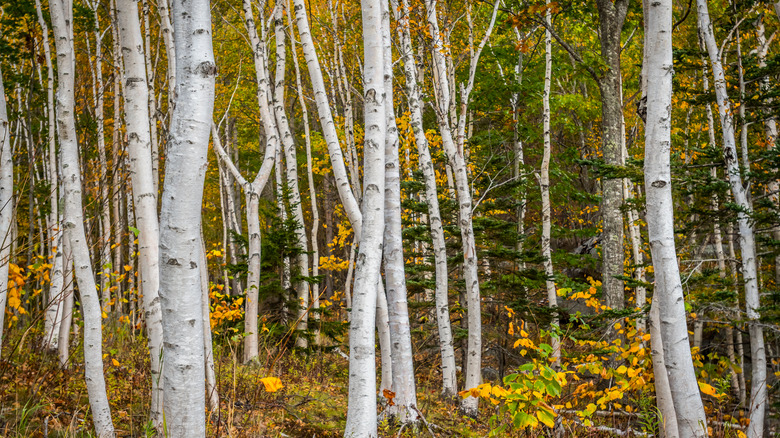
62 19
663 392
544 182
54 309
315 223
63 342
6 203
152 100
400 332
143 180
170 49
361 413
180 220
212 395
449 379
291 162
691 420
758 389
254 190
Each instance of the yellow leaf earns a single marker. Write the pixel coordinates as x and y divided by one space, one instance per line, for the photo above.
272 384
105 315
708 389
115 362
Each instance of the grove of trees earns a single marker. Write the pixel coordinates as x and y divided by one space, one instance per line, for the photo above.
389 218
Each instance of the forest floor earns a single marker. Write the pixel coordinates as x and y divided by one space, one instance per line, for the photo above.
40 399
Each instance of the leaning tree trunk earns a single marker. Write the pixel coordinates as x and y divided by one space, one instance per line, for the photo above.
73 221
361 412
145 197
6 203
758 389
691 420
180 220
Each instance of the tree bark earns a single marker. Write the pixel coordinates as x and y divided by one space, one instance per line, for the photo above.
361 412
758 389
6 203
180 221
73 221
449 378
691 420
145 196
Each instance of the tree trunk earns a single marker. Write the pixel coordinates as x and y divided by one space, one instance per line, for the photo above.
758 397
291 162
449 379
145 197
361 412
62 19
691 420
611 19
212 395
315 215
400 332
6 203
663 393
180 220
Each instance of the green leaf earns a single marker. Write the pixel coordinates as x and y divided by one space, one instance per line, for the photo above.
523 420
134 230
546 417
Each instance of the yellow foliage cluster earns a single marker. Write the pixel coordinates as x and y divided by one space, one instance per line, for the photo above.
223 308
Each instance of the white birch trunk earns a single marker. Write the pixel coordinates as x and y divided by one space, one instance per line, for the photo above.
449 379
145 197
458 163
663 392
544 182
758 389
315 223
212 395
63 341
291 162
54 309
691 420
326 119
398 312
6 203
361 412
62 19
170 49
253 190
180 219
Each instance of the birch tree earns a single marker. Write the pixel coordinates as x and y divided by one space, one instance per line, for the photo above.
361 412
690 416
758 389
544 183
145 197
73 219
449 380
180 221
6 203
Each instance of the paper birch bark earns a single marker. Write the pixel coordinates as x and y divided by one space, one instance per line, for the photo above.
758 389
54 307
663 392
770 128
291 172
63 341
252 191
180 221
142 175
449 379
457 161
544 183
395 277
73 220
6 203
691 420
361 412
315 215
212 395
